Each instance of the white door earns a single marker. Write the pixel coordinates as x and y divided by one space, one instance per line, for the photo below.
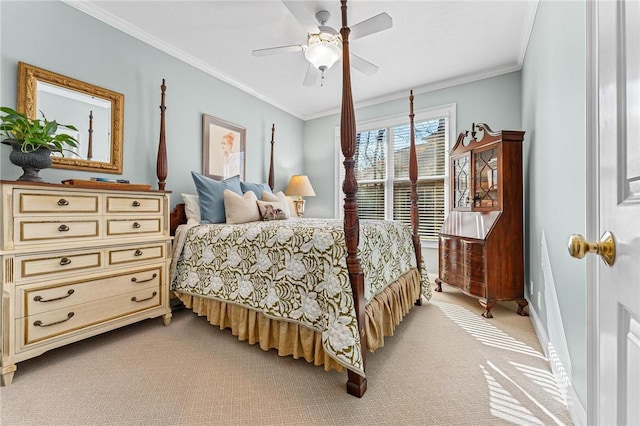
615 389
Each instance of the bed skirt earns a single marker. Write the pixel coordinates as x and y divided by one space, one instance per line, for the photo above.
383 314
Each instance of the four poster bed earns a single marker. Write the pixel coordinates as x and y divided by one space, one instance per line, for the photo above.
298 285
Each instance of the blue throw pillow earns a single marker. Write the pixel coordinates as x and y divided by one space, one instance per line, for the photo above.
256 188
211 196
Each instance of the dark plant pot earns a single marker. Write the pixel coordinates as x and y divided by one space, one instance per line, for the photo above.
31 162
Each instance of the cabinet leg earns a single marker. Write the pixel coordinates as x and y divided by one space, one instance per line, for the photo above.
166 319
522 307
439 284
7 374
487 305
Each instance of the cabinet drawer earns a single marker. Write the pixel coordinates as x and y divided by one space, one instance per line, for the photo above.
473 273
448 256
473 248
124 204
475 288
49 202
448 243
123 227
34 231
50 264
39 299
36 328
135 254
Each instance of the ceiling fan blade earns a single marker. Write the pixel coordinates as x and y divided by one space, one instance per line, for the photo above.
299 10
370 26
277 50
311 76
363 65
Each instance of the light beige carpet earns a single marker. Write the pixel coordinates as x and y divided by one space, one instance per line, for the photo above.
445 365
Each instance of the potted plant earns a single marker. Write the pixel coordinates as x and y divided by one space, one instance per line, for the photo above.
33 140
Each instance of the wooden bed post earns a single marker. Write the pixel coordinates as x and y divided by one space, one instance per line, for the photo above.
271 180
413 177
161 162
90 142
356 384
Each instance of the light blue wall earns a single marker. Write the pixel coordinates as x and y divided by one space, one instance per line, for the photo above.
495 101
57 37
554 116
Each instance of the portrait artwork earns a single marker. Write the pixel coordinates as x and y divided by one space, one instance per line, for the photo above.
223 148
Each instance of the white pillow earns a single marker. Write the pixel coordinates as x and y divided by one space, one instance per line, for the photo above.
289 202
283 199
192 208
240 208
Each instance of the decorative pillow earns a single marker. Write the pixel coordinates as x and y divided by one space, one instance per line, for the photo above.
191 208
256 188
290 204
278 197
240 208
271 210
210 192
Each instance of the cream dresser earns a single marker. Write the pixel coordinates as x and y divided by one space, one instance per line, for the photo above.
78 262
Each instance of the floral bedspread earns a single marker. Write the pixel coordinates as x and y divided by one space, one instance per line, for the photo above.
294 270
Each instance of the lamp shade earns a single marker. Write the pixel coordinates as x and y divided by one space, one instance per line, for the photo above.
324 50
299 185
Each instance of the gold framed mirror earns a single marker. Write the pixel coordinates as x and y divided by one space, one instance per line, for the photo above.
96 112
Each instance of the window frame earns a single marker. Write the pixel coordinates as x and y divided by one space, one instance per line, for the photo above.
448 111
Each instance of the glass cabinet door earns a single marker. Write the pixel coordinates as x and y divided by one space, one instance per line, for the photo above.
486 179
461 181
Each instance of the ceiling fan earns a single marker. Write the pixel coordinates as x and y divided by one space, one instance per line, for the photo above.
324 44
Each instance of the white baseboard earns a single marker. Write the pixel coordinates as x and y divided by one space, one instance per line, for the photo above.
575 407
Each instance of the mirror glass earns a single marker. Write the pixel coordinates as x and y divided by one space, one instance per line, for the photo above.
96 112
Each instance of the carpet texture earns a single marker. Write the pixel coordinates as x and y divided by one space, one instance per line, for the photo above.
445 365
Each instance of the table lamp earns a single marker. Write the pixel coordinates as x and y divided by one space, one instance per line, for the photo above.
299 186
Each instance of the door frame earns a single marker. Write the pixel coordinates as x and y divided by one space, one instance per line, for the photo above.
592 218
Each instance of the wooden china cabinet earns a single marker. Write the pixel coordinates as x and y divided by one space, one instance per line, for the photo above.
480 245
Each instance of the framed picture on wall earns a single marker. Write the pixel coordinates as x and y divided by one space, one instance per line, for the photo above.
223 148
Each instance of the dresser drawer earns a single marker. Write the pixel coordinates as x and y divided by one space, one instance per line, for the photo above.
472 248
135 254
51 264
448 243
124 227
475 288
38 299
126 204
59 322
55 231
447 256
49 202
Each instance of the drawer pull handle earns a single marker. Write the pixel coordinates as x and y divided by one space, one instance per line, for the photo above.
138 252
40 324
136 203
135 280
136 225
39 298
63 202
135 299
65 261
63 228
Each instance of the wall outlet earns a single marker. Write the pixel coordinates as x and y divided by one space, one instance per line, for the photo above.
539 299
531 288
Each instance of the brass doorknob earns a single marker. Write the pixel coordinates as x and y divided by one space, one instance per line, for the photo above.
606 247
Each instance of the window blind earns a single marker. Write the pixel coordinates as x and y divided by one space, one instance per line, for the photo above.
382 170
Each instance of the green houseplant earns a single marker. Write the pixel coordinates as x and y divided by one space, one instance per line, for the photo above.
33 140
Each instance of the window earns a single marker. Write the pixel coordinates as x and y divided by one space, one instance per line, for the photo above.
382 169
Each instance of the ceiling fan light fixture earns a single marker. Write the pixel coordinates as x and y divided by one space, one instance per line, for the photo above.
324 49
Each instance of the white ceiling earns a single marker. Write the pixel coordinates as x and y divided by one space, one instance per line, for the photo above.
432 44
